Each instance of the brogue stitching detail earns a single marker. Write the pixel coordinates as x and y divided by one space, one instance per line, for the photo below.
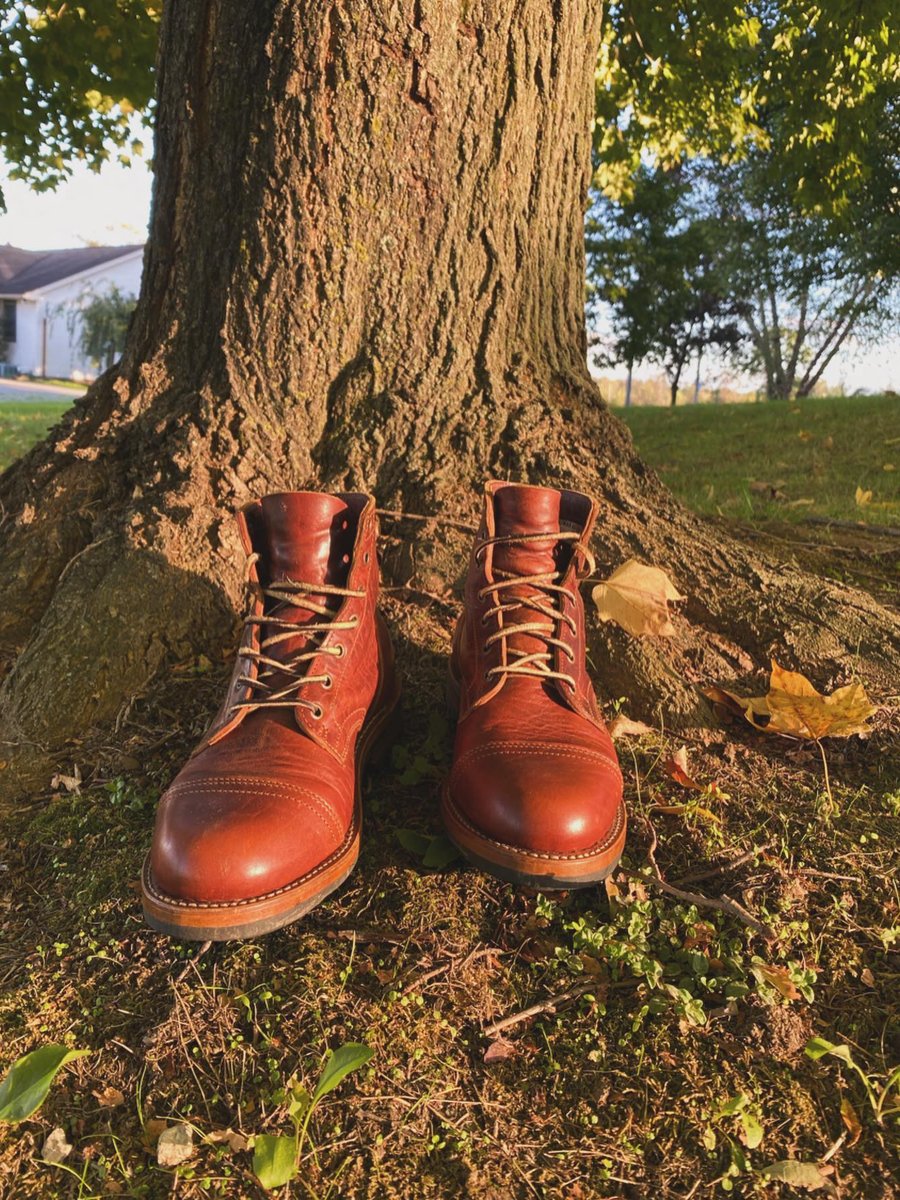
549 749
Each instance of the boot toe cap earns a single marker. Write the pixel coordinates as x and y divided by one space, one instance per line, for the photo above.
227 840
556 801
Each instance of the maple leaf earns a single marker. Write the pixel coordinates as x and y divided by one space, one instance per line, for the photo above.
637 598
794 708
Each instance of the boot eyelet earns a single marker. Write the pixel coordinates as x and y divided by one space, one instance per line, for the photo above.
327 682
354 620
316 713
338 650
366 557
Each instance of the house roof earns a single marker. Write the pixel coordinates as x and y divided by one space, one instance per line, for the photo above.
24 271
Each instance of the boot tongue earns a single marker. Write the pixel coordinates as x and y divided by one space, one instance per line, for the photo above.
526 510
306 537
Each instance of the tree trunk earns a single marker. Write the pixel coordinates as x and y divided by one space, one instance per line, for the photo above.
365 270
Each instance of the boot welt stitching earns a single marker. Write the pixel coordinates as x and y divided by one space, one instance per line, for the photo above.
611 837
319 806
175 901
548 749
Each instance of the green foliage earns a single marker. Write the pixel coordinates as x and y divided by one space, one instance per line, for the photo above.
683 79
72 78
658 262
276 1157
686 962
25 1088
102 320
435 852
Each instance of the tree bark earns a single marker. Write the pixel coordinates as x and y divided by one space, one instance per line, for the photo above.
365 270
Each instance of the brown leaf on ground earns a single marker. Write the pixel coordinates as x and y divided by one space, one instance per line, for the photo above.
851 1120
622 726
637 598
499 1050
778 978
109 1097
229 1137
863 496
794 708
676 767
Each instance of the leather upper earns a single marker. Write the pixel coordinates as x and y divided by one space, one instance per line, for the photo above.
270 793
533 766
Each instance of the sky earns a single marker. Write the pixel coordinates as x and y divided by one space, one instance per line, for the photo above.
113 207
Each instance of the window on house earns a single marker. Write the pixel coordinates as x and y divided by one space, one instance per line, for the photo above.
8 322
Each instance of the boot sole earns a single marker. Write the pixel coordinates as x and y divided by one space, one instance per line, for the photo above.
196 921
529 868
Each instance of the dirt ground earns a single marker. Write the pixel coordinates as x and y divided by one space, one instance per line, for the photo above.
674 1066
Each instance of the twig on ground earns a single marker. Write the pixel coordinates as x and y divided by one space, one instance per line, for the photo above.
721 904
856 526
551 1004
418 595
191 962
420 980
722 868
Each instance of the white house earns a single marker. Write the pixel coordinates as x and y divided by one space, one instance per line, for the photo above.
41 292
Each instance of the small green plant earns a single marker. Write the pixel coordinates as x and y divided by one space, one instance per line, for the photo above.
435 852
25 1088
276 1157
818 1047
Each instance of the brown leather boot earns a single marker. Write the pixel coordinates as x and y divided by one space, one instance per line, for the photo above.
535 792
264 820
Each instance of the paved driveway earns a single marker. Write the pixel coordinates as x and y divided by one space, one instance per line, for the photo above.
13 389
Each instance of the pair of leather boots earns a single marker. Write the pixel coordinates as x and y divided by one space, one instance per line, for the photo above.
264 820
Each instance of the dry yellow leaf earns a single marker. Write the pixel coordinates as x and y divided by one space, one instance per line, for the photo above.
851 1121
778 978
637 598
793 707
622 726
863 497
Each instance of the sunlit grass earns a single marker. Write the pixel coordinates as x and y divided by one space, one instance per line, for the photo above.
814 455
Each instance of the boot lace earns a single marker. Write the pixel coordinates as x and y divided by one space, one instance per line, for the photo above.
544 600
291 672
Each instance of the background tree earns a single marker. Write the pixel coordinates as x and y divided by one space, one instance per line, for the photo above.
102 320
365 269
659 267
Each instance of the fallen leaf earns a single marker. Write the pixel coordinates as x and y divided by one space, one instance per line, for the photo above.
637 598
800 1174
888 467
499 1050
175 1146
71 783
772 491
622 726
110 1097
154 1127
828 443
804 435
676 767
776 977
851 1121
804 502
863 497
56 1149
794 708
229 1137
867 977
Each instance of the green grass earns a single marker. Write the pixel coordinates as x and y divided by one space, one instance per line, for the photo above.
814 453
22 424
